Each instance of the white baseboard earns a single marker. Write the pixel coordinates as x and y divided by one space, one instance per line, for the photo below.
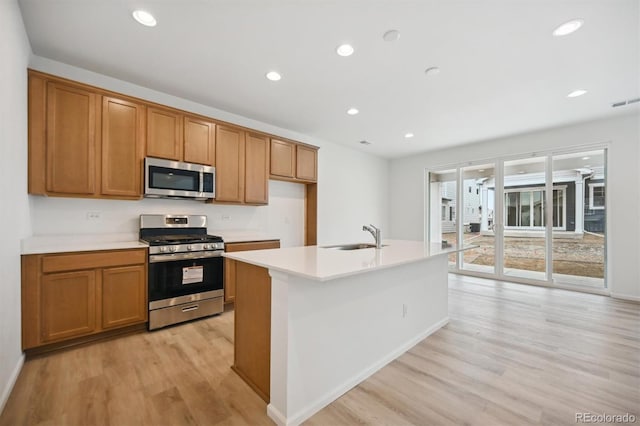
350 383
275 415
625 297
12 381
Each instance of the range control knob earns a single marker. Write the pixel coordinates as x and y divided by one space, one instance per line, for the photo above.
173 248
206 247
163 249
189 247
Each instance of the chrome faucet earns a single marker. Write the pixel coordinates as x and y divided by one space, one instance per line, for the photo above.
376 234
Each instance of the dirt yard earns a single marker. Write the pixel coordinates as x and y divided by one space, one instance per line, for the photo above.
582 257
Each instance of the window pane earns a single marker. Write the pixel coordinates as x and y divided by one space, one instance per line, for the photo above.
598 196
511 204
538 214
525 209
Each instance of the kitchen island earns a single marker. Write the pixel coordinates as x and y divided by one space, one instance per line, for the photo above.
313 322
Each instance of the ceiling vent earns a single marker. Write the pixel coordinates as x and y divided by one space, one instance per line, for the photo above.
627 102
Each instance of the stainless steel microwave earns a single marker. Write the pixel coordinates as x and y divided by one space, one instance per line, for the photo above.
174 179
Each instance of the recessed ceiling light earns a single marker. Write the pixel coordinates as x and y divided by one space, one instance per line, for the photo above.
345 50
408 135
273 76
481 170
568 27
144 17
521 172
352 111
585 158
391 35
587 165
432 71
576 93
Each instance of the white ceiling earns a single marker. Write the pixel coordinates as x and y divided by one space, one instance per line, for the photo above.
502 72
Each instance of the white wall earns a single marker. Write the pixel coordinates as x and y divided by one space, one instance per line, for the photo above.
352 191
282 218
406 187
14 204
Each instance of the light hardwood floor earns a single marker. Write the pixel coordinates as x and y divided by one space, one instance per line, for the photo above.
511 354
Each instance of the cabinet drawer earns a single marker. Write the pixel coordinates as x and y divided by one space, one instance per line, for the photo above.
252 245
92 260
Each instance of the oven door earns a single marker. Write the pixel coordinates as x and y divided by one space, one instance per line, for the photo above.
175 278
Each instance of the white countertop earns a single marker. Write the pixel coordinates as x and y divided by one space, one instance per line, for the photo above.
323 264
242 236
70 243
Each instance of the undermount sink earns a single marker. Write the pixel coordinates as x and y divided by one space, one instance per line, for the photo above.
352 246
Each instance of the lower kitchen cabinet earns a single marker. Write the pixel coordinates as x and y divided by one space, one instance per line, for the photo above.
230 276
66 296
68 305
124 296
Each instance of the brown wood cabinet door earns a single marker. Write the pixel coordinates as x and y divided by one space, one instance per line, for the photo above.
229 280
256 185
124 296
164 134
122 147
283 158
68 305
71 140
199 141
252 327
306 163
229 164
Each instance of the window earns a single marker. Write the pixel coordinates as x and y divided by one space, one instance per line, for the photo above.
524 207
596 196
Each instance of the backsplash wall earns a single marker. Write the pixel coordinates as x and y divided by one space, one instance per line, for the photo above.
283 217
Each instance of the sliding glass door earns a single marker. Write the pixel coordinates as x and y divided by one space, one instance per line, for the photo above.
535 218
524 236
579 246
478 215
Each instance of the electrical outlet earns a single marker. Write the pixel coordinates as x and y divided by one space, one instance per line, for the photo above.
287 221
94 216
225 217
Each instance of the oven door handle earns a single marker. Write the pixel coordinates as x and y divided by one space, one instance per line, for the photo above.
157 258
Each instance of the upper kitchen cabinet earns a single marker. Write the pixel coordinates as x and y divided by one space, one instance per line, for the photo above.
293 162
242 166
164 133
70 139
173 135
306 163
199 141
283 159
230 164
82 142
256 169
122 147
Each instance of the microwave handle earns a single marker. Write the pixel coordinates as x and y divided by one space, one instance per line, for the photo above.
201 181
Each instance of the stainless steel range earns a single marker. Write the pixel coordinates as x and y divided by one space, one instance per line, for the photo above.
185 268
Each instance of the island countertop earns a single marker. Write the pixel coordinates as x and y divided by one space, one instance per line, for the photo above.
324 264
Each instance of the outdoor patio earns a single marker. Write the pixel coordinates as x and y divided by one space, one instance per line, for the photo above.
579 257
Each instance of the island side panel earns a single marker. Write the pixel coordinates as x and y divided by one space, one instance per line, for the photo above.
252 327
329 336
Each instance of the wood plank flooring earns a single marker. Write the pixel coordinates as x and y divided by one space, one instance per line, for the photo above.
511 354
